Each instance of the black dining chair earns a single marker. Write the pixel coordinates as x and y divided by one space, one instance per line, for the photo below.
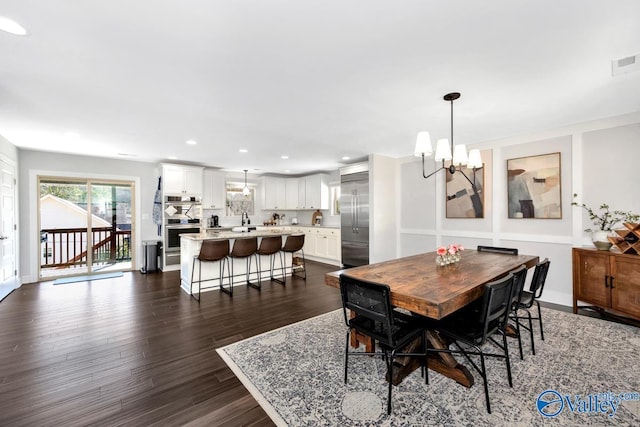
468 331
528 298
519 278
373 316
498 250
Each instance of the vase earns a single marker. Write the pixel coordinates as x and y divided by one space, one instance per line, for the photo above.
600 240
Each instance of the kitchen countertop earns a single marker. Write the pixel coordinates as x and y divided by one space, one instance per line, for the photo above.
223 235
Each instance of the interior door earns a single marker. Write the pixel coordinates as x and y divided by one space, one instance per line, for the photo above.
7 226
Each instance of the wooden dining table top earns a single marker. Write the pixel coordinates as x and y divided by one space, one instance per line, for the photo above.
420 286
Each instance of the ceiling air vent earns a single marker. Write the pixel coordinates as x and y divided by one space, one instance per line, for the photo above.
626 65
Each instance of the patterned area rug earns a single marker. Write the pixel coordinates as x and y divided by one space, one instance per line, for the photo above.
584 364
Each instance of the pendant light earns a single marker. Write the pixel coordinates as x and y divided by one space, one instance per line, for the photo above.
246 191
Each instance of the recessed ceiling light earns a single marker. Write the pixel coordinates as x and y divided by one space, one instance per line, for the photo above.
284 157
191 142
287 170
243 150
172 158
126 155
12 27
345 157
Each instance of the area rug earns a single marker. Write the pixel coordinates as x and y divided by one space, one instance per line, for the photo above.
586 372
87 278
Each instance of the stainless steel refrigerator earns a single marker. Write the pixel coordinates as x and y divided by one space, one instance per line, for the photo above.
354 218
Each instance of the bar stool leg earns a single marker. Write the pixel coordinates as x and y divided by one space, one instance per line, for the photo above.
193 267
258 285
230 269
304 267
272 260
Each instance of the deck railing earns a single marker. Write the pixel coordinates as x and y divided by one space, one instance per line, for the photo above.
67 247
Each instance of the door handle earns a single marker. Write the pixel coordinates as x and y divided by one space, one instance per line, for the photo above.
4 237
611 281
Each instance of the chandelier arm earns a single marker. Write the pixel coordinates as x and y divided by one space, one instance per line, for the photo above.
432 173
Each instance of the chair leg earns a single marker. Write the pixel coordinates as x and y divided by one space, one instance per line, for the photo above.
484 380
193 267
390 374
518 332
540 320
346 355
282 280
257 285
230 290
304 267
533 344
254 285
507 360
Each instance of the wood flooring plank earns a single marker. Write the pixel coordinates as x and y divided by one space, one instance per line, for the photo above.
139 351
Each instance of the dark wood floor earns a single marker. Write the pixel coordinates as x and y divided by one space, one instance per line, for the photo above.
137 350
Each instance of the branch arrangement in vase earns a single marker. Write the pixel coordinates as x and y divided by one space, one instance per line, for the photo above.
606 219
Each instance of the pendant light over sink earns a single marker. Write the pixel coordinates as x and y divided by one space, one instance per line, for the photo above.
246 191
444 148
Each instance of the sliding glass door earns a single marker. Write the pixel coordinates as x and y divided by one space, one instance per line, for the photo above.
85 226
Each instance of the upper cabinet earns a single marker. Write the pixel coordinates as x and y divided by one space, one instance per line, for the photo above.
274 193
313 192
213 196
291 193
182 180
307 192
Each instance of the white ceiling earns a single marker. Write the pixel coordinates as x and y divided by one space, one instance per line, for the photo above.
314 80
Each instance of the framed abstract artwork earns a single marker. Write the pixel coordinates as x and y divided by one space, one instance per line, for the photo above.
465 193
534 187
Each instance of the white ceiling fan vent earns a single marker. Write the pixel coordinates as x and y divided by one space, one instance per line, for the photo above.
626 65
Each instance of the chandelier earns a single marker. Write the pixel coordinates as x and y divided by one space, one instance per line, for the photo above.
444 149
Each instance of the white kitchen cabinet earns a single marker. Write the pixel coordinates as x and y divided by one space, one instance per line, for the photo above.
182 180
321 243
291 193
327 243
274 193
313 192
213 196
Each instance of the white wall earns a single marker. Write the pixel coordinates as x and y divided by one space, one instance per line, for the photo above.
382 210
33 163
598 161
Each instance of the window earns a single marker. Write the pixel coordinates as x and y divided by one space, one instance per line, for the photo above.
334 191
237 202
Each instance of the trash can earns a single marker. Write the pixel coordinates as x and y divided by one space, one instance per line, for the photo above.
150 253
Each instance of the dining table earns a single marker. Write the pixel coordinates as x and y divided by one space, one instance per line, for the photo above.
422 287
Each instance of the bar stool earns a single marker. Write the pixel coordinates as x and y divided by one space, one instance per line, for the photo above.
210 251
293 244
270 246
246 248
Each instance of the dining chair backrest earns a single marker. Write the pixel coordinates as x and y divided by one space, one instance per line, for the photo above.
539 278
495 306
244 247
519 278
213 250
294 243
371 301
498 250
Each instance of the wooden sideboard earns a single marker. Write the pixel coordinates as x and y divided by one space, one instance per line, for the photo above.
607 280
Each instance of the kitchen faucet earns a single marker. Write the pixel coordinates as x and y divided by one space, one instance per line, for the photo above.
245 219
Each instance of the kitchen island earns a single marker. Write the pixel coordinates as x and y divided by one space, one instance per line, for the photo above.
190 247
